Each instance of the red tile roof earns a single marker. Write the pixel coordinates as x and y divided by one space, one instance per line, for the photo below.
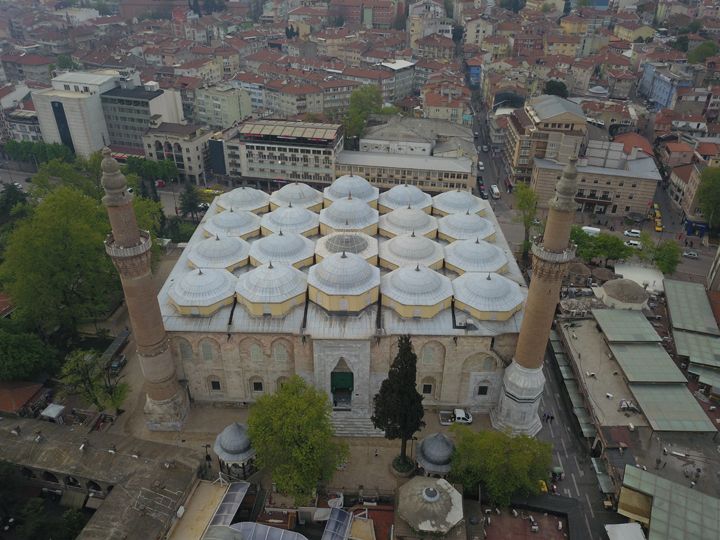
630 140
16 395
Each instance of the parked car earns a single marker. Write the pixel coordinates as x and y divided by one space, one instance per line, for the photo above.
456 416
483 194
632 233
658 226
203 206
690 254
481 166
633 244
117 364
485 148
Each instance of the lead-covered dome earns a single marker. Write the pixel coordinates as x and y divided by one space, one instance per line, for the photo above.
403 196
434 453
406 221
290 219
226 252
410 250
297 194
475 256
465 226
349 242
231 223
271 289
233 445
202 291
283 248
351 185
349 214
344 282
244 198
489 297
416 292
458 202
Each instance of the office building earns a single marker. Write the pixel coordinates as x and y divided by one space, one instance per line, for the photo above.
222 106
185 144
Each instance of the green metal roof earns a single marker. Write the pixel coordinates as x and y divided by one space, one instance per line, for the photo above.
707 375
567 372
622 325
699 348
671 407
606 485
689 307
646 362
561 359
678 512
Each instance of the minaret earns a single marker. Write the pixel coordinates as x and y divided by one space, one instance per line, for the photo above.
166 404
523 382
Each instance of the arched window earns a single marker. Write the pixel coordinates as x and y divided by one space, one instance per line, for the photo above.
206 349
280 382
256 353
94 486
432 353
279 352
71 481
256 385
50 477
186 352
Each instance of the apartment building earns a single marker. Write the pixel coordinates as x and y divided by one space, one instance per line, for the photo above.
222 106
185 144
22 125
292 99
548 127
27 67
684 184
427 17
660 83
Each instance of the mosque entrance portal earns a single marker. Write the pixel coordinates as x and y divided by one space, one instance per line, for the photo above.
341 385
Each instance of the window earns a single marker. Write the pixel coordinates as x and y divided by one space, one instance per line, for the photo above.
215 385
427 389
257 386
207 351
280 353
482 390
186 352
256 354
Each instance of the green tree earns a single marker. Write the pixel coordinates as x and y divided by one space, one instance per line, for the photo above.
680 44
65 62
10 482
56 173
24 356
72 524
709 195
703 51
33 524
398 404
526 202
37 152
567 8
586 246
190 202
10 197
666 256
556 88
85 374
609 247
502 465
293 436
364 101
55 266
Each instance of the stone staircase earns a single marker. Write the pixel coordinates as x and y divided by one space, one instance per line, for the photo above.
346 426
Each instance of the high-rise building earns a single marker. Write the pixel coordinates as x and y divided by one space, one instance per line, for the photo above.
523 380
166 403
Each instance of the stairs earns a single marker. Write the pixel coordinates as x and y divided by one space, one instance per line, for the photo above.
346 426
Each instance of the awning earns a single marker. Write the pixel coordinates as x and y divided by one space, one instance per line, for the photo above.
635 505
606 485
73 499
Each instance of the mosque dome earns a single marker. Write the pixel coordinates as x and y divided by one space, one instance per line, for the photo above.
202 291
458 202
349 214
408 220
282 248
233 444
416 291
475 255
297 194
227 252
244 198
487 296
403 196
290 219
231 223
271 284
343 275
351 185
465 226
349 242
409 250
623 294
434 453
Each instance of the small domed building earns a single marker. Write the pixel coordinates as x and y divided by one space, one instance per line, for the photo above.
227 252
410 250
487 297
349 214
465 226
203 291
623 294
245 199
417 292
290 219
344 283
283 248
297 194
458 202
235 451
231 223
434 454
351 185
271 290
404 196
475 256
349 242
408 220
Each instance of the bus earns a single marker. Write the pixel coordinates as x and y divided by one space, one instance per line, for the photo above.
495 191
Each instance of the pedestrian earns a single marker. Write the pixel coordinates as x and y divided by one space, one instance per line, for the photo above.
552 417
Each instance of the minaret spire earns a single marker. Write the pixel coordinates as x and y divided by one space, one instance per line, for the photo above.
166 402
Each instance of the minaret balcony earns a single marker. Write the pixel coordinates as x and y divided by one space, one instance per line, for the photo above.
565 256
119 252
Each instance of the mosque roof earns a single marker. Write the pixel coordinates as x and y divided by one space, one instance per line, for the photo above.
233 444
475 255
271 284
408 220
290 219
203 287
411 249
283 248
459 202
403 196
416 286
298 194
487 292
344 274
219 252
232 223
434 453
244 198
464 226
350 242
349 214
351 184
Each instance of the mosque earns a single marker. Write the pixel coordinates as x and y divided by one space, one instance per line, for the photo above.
321 284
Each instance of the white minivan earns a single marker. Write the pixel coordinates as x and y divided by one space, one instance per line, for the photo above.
633 244
495 191
591 231
632 233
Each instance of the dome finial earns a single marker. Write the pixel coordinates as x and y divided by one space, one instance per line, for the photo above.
488 278
200 272
344 255
280 233
290 204
409 206
412 234
349 195
217 237
477 240
417 268
270 265
467 212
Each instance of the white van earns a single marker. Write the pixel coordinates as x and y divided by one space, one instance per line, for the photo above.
633 244
632 233
591 231
495 191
